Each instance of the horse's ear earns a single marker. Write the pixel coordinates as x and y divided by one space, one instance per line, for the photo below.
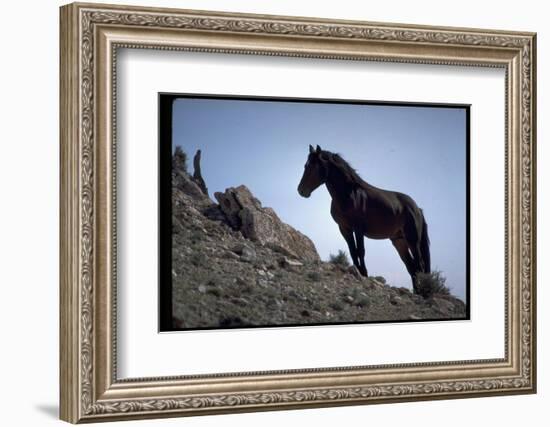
318 150
310 148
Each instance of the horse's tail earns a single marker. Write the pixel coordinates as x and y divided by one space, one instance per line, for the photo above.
425 246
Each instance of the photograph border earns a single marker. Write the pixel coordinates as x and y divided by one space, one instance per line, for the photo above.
165 100
90 35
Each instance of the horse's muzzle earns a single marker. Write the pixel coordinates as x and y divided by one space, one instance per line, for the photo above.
303 193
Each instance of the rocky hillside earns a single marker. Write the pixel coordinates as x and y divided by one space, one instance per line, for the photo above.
236 264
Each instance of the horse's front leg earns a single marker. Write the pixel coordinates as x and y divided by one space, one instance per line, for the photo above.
347 233
360 239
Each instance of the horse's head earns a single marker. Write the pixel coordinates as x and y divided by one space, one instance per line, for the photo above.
315 172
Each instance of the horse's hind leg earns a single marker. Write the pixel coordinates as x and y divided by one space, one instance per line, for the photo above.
412 235
400 244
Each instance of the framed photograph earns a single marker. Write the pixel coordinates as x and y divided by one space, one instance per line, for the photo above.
266 212
233 263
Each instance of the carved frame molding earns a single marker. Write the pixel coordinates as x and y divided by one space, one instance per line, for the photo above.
90 36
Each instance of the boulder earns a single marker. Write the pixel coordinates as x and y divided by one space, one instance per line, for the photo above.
245 213
285 262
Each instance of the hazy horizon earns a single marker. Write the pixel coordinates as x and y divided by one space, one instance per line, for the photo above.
420 151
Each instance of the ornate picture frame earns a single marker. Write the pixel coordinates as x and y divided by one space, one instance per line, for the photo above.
90 387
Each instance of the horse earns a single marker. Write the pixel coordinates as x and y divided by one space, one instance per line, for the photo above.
363 210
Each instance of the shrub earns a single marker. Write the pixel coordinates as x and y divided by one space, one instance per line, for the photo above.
336 306
180 159
341 258
430 284
314 276
362 301
198 259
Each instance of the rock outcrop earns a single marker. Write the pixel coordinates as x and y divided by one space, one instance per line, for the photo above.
244 212
197 174
236 264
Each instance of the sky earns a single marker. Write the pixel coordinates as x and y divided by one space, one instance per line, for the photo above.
420 151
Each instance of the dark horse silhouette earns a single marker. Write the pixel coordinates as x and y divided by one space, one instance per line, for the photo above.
360 209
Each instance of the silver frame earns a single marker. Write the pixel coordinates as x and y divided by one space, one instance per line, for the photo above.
90 37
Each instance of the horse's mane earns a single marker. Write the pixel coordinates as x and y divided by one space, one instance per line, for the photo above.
349 173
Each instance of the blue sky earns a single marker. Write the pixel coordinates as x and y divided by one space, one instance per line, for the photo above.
420 151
